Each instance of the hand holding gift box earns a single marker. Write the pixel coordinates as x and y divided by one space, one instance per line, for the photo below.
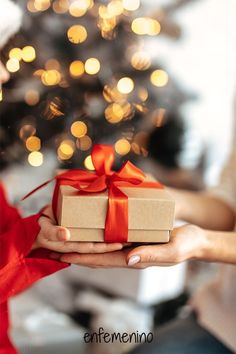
108 206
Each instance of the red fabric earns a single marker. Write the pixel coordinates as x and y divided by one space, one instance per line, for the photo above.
19 267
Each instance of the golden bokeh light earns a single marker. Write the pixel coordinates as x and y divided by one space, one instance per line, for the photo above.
60 6
114 113
42 5
15 53
66 149
79 7
1 96
88 163
31 6
159 117
35 158
76 68
13 65
84 143
131 5
77 34
28 54
79 129
33 143
32 97
159 78
141 60
26 131
146 26
51 77
115 8
125 85
122 147
92 66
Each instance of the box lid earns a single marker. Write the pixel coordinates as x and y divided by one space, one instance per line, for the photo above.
148 208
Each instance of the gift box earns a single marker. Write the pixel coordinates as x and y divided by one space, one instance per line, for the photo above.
150 214
111 206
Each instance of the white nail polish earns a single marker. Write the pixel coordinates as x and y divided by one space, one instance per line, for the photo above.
134 260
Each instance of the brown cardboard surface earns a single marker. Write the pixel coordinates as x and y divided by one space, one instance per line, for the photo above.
97 235
148 209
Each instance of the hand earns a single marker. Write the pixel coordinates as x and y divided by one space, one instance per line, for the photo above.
186 242
56 238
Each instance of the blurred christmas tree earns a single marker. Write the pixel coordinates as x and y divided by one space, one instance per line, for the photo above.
80 76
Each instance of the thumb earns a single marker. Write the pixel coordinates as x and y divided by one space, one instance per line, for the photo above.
52 232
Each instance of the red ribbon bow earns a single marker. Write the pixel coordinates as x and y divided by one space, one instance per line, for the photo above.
116 226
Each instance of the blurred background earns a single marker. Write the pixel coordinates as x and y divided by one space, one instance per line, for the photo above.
156 79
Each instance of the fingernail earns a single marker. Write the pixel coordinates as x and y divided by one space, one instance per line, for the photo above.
63 236
55 255
134 260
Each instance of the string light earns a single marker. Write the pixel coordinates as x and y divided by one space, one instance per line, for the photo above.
26 131
79 7
15 53
88 163
141 60
84 143
131 5
92 66
114 113
13 65
28 54
159 78
42 5
125 85
32 97
146 25
35 158
122 147
66 149
33 143
77 34
60 6
78 129
76 68
51 77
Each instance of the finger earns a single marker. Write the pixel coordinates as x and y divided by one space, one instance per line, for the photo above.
150 254
91 247
114 259
51 232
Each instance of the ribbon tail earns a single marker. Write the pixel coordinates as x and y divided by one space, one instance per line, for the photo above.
116 227
36 189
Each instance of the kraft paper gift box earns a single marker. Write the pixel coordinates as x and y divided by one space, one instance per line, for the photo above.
150 214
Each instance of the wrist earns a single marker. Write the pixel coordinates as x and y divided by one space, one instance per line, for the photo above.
204 245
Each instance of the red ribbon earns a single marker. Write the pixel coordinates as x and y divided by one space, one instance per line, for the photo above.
116 225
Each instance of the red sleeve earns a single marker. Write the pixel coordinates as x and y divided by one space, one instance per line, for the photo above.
19 267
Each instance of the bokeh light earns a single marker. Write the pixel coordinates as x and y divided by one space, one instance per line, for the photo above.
159 78
66 149
35 158
51 77
32 97
78 129
122 147
79 7
42 5
131 5
13 65
88 163
77 34
15 53
92 66
141 60
125 85
114 113
146 26
76 68
28 54
84 143
26 131
33 143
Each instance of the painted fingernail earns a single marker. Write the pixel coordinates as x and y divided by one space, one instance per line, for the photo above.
134 260
55 255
